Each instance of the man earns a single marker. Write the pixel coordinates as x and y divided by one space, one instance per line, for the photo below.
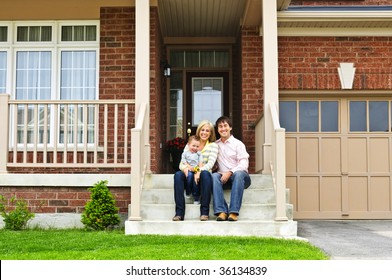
233 163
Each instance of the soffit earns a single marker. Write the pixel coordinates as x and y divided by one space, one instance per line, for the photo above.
370 19
209 18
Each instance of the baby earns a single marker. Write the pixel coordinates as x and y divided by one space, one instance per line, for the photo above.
192 158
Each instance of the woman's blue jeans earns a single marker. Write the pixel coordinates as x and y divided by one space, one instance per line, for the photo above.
238 182
205 185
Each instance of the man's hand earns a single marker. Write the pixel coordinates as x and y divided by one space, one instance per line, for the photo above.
225 176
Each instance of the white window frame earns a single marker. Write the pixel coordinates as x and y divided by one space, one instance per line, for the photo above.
56 47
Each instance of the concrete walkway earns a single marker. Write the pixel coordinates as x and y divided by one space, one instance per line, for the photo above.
350 239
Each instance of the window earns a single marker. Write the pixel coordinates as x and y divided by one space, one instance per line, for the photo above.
207 95
3 72
51 61
199 58
369 116
34 33
78 33
3 33
309 116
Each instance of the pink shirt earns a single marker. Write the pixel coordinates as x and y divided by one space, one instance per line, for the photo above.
232 155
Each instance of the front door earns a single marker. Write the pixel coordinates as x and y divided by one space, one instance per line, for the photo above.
207 98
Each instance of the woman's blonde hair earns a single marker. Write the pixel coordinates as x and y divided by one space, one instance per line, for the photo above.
212 137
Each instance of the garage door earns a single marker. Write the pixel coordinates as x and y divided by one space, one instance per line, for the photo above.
338 157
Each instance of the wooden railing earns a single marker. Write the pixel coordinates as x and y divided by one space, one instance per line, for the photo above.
77 134
140 161
278 164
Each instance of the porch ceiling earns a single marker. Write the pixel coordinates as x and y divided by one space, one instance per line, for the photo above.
224 18
209 18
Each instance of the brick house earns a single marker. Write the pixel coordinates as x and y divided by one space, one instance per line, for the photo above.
84 98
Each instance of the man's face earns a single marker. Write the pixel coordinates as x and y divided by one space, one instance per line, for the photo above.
224 130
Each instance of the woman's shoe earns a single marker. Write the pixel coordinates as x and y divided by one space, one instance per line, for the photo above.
204 218
177 218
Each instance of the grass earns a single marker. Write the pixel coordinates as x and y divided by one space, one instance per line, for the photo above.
76 244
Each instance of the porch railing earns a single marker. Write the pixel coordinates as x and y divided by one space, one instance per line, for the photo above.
140 160
63 133
278 164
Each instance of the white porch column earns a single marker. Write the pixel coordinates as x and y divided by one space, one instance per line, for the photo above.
142 66
270 72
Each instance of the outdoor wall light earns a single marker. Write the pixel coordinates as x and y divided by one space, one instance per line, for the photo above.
166 68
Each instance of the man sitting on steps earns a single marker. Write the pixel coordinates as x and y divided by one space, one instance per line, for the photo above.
233 163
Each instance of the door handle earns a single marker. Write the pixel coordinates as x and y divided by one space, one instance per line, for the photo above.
189 131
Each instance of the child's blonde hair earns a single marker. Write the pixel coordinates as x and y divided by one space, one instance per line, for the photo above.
193 137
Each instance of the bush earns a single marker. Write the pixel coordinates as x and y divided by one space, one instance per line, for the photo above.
16 215
100 212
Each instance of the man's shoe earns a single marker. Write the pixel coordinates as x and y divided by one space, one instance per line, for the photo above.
233 217
222 217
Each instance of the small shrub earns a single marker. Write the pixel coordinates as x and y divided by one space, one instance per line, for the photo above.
17 215
100 212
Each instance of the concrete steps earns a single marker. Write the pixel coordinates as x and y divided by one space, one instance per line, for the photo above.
256 216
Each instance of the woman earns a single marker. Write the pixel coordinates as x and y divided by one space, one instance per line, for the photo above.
209 152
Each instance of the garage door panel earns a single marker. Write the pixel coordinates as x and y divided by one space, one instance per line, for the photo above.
330 155
309 151
357 155
291 184
379 154
308 194
380 194
291 155
358 193
331 194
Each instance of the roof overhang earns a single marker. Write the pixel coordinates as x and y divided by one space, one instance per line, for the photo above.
335 23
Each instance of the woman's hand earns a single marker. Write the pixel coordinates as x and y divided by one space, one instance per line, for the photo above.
197 177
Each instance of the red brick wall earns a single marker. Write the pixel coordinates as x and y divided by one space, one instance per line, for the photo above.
237 92
157 98
307 63
52 200
252 88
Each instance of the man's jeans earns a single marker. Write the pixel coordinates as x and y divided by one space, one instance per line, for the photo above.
239 181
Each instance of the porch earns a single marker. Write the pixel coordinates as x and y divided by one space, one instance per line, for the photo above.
88 137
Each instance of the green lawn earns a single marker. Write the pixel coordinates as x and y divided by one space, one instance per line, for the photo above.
115 245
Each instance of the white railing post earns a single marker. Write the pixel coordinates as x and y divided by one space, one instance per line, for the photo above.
279 164
4 131
138 162
136 170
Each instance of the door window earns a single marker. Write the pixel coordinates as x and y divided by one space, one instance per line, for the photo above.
175 106
207 99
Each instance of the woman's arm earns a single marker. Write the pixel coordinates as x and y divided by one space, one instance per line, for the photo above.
211 152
